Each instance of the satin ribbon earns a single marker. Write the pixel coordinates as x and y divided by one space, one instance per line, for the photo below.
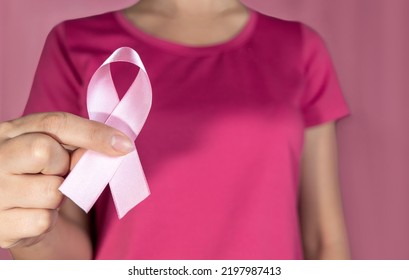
94 171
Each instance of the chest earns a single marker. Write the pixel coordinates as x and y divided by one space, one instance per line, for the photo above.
242 99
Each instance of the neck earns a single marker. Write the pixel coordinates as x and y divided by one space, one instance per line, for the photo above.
179 8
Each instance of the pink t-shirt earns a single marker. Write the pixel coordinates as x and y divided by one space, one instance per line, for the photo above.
221 147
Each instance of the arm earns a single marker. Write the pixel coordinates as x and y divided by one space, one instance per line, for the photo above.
322 222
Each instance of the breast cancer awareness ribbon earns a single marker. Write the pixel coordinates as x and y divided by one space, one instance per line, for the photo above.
124 174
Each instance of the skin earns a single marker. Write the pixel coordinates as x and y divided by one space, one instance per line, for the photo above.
36 151
36 222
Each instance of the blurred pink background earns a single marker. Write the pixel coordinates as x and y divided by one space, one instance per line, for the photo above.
368 40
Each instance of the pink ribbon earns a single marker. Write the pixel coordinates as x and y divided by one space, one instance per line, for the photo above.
94 171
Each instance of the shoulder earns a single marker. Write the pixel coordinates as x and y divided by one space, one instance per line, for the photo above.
272 27
87 42
80 46
86 29
278 24
291 34
294 41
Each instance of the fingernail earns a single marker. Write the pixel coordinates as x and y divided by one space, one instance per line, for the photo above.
122 144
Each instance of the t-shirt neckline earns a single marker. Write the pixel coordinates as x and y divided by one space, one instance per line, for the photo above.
236 41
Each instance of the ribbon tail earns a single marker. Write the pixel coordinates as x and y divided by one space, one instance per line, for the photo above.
85 184
129 186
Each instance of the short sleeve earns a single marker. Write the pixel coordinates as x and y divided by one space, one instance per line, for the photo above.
56 85
322 101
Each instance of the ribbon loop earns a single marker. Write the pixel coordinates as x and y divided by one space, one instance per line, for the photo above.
94 171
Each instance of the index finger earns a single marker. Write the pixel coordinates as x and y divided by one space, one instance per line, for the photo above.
72 130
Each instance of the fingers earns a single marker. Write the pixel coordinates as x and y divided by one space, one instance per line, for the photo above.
33 159
72 130
25 223
31 191
75 157
34 153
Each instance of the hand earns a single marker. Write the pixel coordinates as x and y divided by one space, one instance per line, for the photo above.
34 159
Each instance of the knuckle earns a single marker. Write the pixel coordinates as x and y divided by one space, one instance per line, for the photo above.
94 134
5 238
53 195
4 244
5 134
54 122
44 221
5 128
41 149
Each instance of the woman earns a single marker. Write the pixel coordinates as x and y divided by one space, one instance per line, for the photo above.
243 110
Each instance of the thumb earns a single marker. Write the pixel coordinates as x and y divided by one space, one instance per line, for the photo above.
74 131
